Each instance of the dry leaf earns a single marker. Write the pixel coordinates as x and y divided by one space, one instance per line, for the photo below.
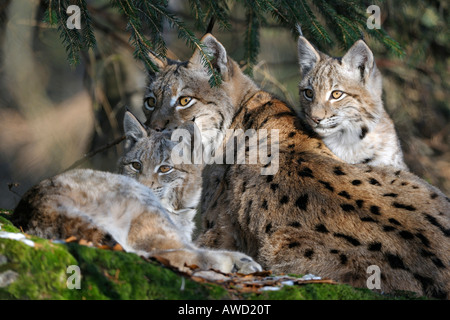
104 247
163 261
71 239
84 242
117 247
192 266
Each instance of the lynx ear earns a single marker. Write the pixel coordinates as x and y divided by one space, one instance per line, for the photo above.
134 130
216 52
307 56
161 63
359 59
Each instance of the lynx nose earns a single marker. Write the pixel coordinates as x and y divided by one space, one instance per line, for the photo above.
316 119
159 126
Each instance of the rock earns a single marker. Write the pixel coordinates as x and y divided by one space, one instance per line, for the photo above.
7 277
3 259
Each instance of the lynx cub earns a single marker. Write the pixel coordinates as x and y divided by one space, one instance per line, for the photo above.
341 100
96 205
148 159
317 214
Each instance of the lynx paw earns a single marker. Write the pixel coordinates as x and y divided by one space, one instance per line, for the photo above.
243 264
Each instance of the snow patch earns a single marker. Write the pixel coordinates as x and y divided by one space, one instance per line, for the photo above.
16 236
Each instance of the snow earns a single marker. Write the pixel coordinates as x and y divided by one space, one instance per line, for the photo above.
16 236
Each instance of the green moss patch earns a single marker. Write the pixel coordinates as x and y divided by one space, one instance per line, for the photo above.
48 270
5 224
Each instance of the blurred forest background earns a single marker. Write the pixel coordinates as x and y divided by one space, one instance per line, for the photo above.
51 114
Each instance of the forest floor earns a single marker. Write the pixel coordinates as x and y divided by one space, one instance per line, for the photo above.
35 268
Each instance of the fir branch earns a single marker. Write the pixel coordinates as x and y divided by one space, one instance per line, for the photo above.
342 28
198 13
345 19
191 41
155 20
313 25
71 37
87 30
276 13
219 9
142 46
389 43
251 39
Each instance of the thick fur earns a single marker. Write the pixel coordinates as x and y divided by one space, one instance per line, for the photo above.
212 109
317 214
355 127
102 207
180 189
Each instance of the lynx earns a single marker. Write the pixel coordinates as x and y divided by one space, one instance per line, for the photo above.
148 209
341 100
317 214
148 159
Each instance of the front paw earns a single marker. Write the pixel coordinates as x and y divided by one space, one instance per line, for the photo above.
242 263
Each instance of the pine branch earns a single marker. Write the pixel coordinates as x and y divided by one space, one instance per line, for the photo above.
154 19
191 40
389 43
251 39
198 13
313 25
71 37
276 13
345 19
142 46
353 16
346 32
219 10
87 30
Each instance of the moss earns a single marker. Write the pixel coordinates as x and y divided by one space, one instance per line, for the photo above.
40 269
105 274
42 274
322 291
120 275
5 224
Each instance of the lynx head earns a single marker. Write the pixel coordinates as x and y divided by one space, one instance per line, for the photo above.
180 92
339 94
148 159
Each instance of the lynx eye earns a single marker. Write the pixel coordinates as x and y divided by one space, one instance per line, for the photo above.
308 93
150 103
336 94
183 101
165 169
136 166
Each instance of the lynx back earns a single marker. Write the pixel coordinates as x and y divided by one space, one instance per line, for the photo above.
317 214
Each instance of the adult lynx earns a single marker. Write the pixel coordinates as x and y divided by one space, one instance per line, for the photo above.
341 100
148 212
317 214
